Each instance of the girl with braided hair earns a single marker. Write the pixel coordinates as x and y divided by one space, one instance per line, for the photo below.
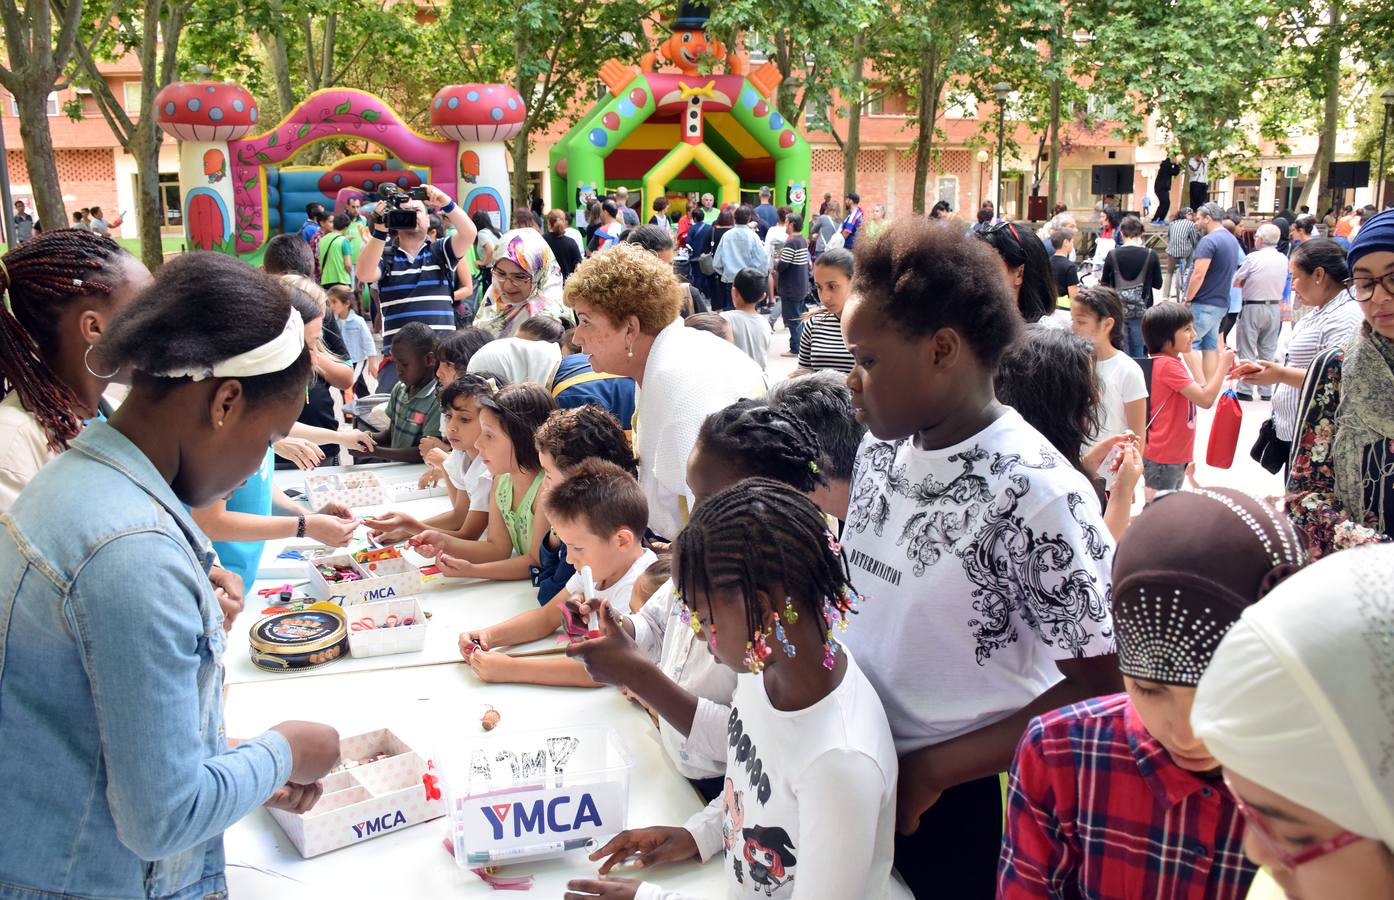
59 292
668 667
811 807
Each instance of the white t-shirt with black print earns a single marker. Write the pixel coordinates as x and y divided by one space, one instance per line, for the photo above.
661 633
809 804
981 565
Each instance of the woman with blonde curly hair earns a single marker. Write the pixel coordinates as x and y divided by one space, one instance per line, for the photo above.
626 302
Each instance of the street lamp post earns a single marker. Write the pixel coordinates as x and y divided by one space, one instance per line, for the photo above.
1388 98
1002 89
982 166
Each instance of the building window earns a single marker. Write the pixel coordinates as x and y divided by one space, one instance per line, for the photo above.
1099 108
50 108
1074 188
131 100
948 190
171 215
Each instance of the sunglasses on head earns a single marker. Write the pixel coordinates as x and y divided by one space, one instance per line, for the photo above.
983 231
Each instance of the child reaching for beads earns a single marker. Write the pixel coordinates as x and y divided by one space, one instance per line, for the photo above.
507 422
600 512
810 807
467 477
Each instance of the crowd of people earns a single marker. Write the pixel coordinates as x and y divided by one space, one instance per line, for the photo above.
895 616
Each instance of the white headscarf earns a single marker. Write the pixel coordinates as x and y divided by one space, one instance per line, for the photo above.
1299 697
519 361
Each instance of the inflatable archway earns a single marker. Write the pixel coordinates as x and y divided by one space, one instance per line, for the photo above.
236 195
685 131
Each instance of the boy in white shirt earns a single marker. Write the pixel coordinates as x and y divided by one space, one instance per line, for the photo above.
981 549
750 331
600 513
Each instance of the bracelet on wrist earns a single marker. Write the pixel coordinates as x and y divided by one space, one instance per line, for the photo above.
448 208
379 235
299 526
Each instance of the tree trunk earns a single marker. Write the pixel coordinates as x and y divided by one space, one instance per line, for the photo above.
145 147
518 180
853 144
927 112
37 140
1331 89
1053 176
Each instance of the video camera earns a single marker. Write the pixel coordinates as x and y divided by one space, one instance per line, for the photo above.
395 197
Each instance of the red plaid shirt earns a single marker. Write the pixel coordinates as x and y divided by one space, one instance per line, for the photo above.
1097 808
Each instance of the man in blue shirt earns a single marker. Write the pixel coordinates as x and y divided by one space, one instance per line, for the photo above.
1212 274
766 212
853 223
414 280
311 226
740 248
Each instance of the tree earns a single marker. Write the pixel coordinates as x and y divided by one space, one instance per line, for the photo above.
551 41
152 33
36 59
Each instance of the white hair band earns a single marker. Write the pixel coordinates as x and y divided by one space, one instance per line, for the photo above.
276 355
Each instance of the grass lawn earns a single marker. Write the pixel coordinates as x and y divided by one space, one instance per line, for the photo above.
173 243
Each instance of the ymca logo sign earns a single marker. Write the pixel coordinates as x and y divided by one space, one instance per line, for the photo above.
542 816
380 824
382 593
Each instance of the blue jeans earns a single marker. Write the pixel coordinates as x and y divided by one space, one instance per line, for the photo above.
1207 319
795 327
1132 334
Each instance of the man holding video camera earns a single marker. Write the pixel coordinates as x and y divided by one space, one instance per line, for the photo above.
414 279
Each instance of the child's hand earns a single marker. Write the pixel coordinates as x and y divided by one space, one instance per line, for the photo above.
393 527
305 454
436 457
457 568
1097 454
359 441
612 658
432 443
330 530
1227 357
429 478
429 542
298 798
654 846
492 666
472 642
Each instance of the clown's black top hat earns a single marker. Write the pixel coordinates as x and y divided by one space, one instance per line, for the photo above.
691 15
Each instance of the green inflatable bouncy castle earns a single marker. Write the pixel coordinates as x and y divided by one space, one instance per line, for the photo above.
675 132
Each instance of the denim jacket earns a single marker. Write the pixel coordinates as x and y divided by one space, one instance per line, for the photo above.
115 776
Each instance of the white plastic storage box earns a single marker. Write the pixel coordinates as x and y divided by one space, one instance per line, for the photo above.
363 802
384 579
380 641
534 794
356 489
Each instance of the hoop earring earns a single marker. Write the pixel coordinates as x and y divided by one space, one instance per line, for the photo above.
88 366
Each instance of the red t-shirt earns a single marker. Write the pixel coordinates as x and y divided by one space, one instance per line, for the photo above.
1171 438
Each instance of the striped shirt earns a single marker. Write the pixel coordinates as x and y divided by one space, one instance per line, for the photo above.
1181 238
1316 332
417 288
821 345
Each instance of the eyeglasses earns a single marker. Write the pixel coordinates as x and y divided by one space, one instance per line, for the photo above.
1363 289
518 278
1288 861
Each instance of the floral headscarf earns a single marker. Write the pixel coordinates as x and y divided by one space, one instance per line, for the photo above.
525 248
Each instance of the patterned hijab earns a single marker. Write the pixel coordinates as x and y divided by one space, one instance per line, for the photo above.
525 248
1298 697
1185 570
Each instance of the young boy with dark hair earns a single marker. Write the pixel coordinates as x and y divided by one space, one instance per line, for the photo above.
1117 796
413 409
749 329
983 547
1169 450
600 513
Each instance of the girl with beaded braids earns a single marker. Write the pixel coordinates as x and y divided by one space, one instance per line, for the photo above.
809 753
59 292
99 556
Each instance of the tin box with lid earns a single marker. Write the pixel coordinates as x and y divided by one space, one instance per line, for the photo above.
300 639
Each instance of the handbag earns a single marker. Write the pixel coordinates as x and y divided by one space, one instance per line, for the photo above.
1224 431
1270 451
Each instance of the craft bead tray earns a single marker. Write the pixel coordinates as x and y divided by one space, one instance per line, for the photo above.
383 641
386 579
363 802
355 489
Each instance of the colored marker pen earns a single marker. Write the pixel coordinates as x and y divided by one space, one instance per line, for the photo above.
518 854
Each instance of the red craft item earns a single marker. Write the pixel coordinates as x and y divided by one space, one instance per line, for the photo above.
1224 432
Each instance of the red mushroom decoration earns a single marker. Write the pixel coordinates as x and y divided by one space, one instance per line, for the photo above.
478 112
205 110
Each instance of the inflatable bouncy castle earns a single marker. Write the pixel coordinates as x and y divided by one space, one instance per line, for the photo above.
678 130
237 193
